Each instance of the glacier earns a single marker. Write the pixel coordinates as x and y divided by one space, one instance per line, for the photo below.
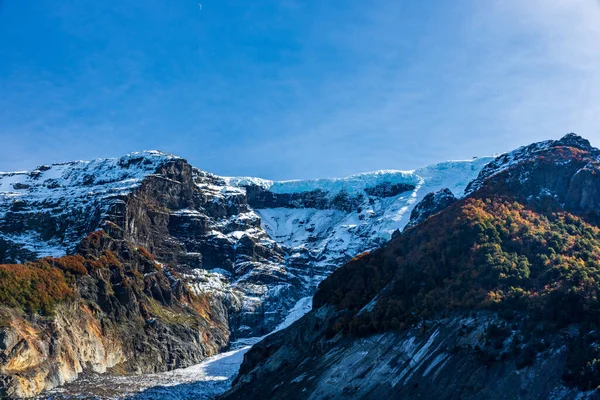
331 236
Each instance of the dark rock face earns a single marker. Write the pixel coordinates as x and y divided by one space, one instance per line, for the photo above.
387 189
574 140
584 188
173 218
179 329
540 169
431 204
260 198
318 199
12 252
193 220
444 361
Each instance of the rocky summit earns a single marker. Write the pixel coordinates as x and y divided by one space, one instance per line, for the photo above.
146 263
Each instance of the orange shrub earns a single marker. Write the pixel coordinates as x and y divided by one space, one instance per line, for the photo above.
33 287
73 264
145 253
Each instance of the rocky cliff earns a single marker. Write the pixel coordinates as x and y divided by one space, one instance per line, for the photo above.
112 306
449 359
431 204
493 295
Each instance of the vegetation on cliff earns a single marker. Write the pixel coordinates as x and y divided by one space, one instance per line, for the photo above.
490 253
38 286
33 287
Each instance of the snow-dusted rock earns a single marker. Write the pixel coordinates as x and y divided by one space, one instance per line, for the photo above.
432 203
46 212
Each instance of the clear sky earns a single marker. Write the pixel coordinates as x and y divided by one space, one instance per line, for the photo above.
288 89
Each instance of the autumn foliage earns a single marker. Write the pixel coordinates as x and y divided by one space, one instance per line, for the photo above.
37 287
480 254
145 253
128 273
33 287
72 264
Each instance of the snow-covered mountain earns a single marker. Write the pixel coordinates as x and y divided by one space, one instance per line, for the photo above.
256 246
46 212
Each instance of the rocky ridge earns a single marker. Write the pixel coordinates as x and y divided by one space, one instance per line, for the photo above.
431 204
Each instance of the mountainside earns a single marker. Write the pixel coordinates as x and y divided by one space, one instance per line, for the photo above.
494 296
248 249
111 306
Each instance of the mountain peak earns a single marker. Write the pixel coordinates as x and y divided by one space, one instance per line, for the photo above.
152 153
573 140
534 153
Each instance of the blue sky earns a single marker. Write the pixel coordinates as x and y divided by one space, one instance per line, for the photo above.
294 89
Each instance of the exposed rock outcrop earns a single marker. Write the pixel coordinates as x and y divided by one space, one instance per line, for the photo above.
260 197
447 359
543 169
431 204
42 353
